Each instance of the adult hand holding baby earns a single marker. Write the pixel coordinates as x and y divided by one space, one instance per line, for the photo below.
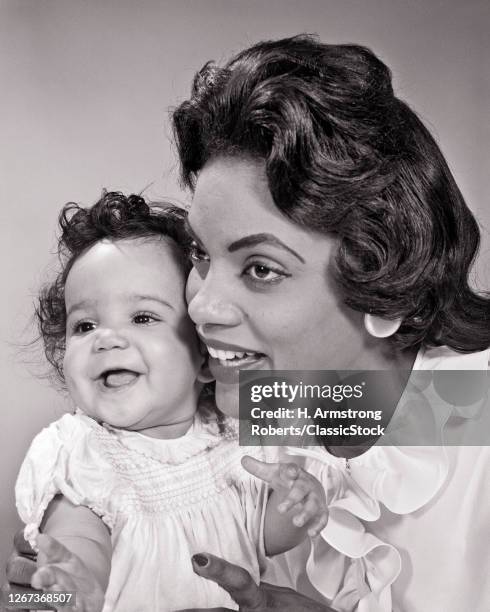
61 570
57 569
248 595
303 498
299 496
21 566
234 579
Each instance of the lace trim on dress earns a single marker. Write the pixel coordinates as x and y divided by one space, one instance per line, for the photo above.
200 438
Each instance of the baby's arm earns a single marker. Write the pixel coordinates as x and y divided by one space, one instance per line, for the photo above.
77 556
296 507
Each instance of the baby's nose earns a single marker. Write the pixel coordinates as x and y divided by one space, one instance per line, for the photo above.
107 339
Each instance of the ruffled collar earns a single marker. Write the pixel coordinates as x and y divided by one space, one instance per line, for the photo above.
402 478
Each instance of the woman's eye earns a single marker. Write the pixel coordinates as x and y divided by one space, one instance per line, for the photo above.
83 327
261 273
144 318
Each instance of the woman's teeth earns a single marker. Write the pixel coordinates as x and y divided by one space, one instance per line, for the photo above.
228 355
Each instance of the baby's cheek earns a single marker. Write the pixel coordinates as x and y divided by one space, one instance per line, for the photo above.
72 372
69 359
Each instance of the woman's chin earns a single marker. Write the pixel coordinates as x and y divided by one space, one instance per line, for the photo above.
227 399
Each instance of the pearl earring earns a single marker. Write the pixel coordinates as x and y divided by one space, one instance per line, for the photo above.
379 327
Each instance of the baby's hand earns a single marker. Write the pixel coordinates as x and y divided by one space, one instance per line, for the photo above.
304 495
61 570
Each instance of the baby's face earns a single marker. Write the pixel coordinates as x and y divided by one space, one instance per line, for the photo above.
132 355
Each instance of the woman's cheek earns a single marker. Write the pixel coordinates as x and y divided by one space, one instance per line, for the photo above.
192 286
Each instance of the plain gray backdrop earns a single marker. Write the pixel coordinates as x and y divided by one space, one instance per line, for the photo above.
85 90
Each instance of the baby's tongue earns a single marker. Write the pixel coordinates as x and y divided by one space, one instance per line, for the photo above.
119 378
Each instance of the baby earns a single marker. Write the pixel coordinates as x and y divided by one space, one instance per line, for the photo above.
146 473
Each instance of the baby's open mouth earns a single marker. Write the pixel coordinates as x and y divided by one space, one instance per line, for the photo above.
113 379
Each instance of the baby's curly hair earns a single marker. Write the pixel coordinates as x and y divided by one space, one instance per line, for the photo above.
114 216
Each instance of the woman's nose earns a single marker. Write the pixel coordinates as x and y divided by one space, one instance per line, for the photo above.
107 339
209 302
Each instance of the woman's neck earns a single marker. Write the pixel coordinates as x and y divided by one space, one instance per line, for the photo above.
396 367
379 354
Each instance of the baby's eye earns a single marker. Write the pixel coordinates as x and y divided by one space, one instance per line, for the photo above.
83 327
145 318
262 273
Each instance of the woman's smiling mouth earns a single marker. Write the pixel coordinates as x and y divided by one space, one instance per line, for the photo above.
226 360
229 358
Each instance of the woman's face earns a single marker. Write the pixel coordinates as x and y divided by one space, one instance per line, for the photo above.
261 292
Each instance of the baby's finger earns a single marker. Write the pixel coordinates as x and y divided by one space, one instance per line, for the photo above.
312 508
318 525
284 508
286 477
289 473
298 492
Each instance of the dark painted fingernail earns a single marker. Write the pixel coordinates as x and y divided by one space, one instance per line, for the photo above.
201 560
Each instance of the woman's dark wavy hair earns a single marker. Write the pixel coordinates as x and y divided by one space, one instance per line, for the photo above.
116 217
344 155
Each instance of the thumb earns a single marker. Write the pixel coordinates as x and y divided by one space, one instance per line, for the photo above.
233 578
278 475
51 550
263 470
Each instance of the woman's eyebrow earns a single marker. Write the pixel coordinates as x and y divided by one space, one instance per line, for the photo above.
249 241
254 239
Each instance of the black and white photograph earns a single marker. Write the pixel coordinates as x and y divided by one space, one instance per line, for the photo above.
245 338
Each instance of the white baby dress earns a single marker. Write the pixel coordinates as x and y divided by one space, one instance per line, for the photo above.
163 501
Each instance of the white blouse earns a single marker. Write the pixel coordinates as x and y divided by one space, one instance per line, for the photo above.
409 526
